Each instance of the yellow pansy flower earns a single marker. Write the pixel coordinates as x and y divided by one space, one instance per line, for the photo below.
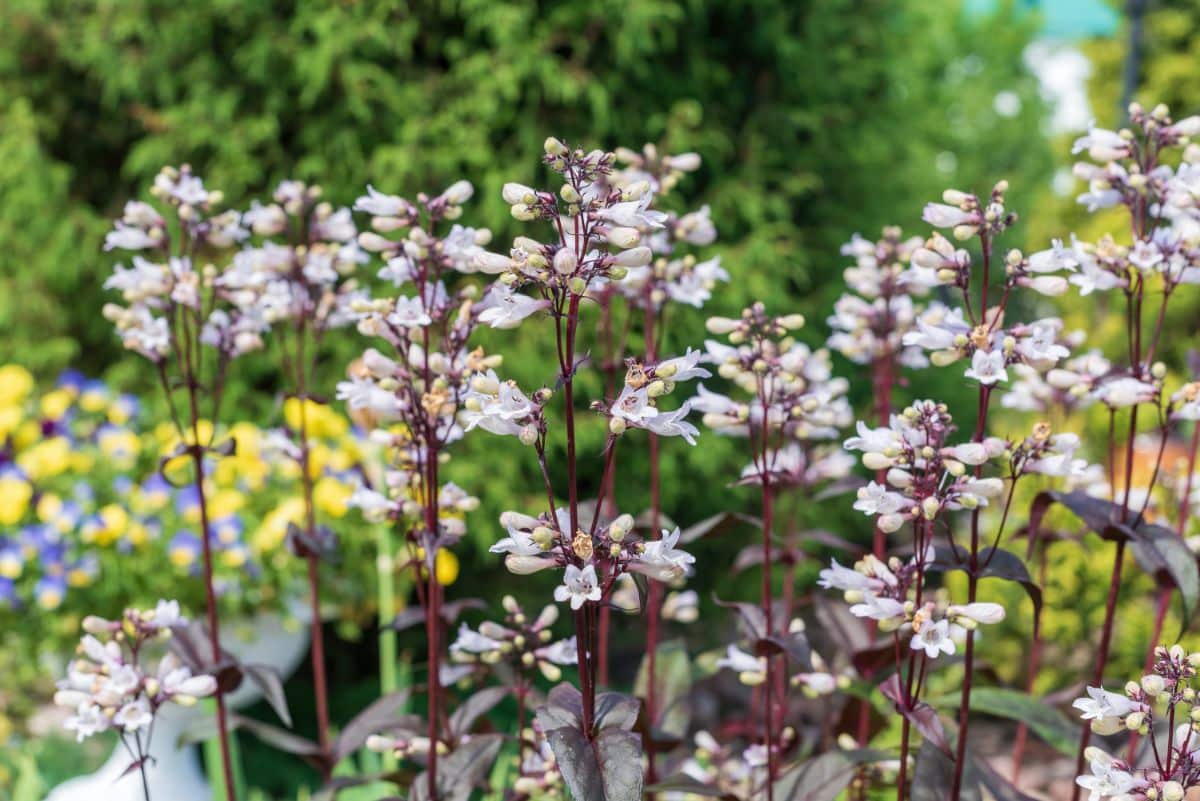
226 502
49 506
46 459
10 419
273 529
56 403
14 499
330 496
15 384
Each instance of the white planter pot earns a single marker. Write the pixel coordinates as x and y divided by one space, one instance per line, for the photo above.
175 774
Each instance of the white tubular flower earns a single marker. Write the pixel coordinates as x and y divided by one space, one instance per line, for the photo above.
473 642
365 394
682 607
1186 402
1108 779
503 308
978 611
661 560
942 215
377 204
1102 145
374 506
878 608
987 367
1104 709
751 670
579 586
683 368
634 213
1121 393
934 639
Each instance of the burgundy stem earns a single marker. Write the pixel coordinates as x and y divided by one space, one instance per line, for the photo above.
210 594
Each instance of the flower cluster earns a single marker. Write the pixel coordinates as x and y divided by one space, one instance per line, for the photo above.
594 559
518 641
1162 704
794 392
869 322
890 594
110 688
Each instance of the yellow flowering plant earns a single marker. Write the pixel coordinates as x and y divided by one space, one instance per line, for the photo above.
96 512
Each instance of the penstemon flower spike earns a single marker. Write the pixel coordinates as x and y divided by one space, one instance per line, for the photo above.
190 326
299 276
410 398
112 687
794 402
601 225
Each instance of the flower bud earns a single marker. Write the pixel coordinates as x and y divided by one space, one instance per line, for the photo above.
616 426
565 261
554 147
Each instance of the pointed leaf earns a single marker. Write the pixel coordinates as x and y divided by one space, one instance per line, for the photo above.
934 777
381 715
606 768
462 771
1055 728
474 707
268 680
993 563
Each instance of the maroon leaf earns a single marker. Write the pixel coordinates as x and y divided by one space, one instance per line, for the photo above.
382 715
474 707
462 771
920 714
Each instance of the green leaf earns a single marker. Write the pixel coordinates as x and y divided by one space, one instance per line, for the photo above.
1052 726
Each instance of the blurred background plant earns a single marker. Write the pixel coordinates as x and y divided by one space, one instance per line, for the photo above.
814 121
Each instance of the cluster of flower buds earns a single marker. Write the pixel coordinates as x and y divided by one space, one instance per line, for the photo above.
593 560
891 594
730 771
950 336
520 642
164 284
1046 453
752 670
870 321
540 777
302 269
1066 387
967 217
1163 698
600 230
109 687
404 745
674 275
637 404
926 475
792 387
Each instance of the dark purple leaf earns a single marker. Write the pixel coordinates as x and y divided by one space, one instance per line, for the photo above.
267 679
379 716
921 715
933 777
1162 552
462 771
283 740
682 783
821 778
474 707
753 621
616 711
993 563
605 768
794 644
